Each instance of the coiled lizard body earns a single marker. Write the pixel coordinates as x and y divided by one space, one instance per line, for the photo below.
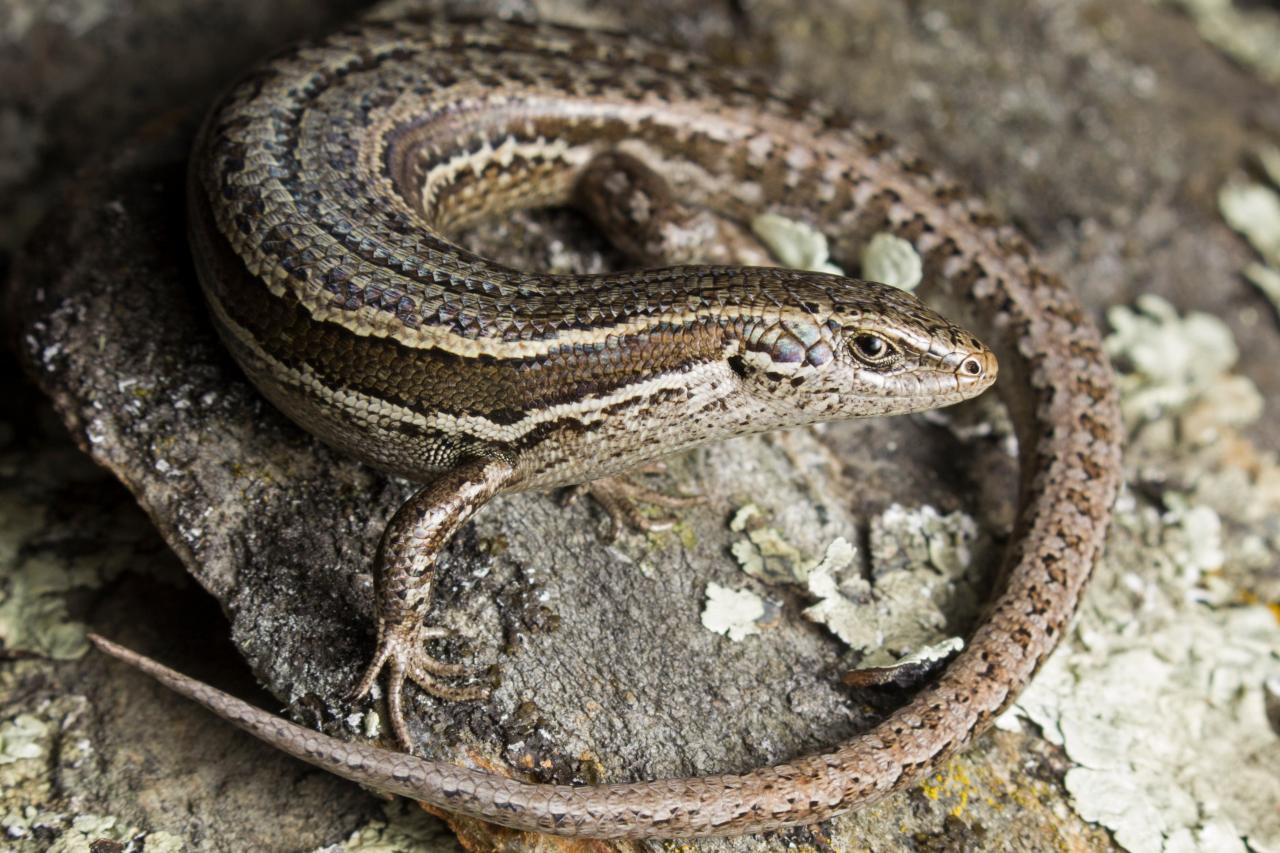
324 188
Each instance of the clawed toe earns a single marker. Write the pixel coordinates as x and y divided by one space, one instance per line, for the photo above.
403 658
371 671
424 678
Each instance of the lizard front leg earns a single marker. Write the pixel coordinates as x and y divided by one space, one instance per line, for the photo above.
403 575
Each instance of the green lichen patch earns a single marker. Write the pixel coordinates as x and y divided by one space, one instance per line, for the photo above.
892 260
52 547
22 738
404 828
795 244
87 832
35 582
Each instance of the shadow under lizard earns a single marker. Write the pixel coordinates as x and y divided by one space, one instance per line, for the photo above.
323 188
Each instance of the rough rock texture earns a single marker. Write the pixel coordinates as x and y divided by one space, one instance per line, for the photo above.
80 75
1104 130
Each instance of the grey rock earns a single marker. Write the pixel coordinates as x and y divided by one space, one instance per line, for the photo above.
605 669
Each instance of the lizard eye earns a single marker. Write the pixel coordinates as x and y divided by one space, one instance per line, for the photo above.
872 349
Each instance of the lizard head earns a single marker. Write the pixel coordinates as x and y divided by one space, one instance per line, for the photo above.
840 348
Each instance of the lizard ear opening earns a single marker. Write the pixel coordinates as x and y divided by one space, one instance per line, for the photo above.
739 366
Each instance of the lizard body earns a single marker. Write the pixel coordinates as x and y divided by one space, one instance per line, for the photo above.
323 191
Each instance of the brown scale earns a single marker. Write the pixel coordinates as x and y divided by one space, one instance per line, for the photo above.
261 166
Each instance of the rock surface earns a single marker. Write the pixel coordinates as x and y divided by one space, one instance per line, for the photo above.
1077 119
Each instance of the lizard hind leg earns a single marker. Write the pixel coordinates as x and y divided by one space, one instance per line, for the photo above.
403 577
638 211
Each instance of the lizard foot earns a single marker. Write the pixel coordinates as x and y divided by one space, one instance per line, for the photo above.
401 654
620 498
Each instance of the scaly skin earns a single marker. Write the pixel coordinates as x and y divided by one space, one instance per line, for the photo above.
323 191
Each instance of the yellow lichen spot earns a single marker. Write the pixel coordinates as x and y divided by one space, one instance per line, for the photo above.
1274 607
958 808
952 781
965 783
661 537
930 790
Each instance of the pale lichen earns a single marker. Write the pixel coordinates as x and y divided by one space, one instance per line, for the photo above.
1247 35
890 259
86 832
795 244
1267 280
734 613
1172 364
1159 697
764 553
919 579
1253 210
1269 159
885 258
22 738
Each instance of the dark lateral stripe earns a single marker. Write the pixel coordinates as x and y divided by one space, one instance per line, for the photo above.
431 381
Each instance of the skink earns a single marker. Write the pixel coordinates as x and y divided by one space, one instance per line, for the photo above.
324 190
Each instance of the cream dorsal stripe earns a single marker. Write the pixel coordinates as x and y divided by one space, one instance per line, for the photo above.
323 192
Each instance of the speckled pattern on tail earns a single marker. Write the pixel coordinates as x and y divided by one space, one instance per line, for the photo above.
323 191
